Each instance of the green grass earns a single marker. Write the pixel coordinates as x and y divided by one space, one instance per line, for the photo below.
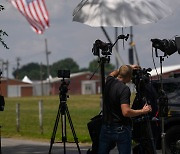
81 108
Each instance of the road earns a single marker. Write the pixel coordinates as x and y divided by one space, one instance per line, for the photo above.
19 146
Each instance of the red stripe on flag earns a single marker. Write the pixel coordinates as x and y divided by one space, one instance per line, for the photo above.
47 14
42 12
37 15
32 23
19 8
35 12
36 24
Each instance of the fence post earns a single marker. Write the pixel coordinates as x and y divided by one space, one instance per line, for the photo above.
41 115
17 117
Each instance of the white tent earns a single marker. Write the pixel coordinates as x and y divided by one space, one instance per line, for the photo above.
26 79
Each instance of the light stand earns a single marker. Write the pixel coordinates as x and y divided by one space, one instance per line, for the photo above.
63 112
102 61
163 104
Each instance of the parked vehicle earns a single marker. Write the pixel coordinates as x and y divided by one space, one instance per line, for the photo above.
171 88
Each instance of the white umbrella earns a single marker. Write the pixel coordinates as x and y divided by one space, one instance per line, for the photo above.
120 13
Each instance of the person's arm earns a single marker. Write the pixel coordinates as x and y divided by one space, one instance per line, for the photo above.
128 112
114 73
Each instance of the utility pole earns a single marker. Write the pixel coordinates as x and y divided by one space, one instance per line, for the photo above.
41 78
17 69
7 74
47 59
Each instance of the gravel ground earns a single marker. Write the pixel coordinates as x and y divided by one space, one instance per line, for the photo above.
19 146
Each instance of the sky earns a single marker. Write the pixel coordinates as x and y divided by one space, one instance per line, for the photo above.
66 38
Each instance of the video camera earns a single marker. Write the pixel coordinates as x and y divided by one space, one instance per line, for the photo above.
141 76
63 73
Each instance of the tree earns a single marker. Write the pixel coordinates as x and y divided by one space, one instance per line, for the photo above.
2 33
65 64
93 66
32 70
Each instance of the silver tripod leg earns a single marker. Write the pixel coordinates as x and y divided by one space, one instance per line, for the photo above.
163 136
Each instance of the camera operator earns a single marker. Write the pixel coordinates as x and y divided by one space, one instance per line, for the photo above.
116 127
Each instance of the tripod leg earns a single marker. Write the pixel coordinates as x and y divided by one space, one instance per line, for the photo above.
55 129
63 125
73 130
152 144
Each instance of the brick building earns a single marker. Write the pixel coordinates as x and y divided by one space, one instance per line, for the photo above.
15 88
79 83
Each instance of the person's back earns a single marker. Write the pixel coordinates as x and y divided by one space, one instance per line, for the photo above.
116 128
116 92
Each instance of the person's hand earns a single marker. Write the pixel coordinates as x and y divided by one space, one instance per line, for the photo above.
135 66
146 109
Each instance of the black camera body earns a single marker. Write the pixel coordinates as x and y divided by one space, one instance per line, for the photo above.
166 45
105 47
141 76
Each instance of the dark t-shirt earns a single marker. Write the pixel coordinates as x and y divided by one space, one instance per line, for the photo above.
116 93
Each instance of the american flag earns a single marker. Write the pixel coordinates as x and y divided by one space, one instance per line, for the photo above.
35 12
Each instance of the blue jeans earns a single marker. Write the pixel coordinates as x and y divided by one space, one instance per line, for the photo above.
112 135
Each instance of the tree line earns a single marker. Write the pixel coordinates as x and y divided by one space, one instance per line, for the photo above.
36 71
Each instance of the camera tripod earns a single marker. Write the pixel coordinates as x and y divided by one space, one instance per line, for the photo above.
63 112
145 137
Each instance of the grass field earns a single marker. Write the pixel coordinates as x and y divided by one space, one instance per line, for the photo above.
81 107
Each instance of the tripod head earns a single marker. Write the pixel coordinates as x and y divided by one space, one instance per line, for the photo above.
63 89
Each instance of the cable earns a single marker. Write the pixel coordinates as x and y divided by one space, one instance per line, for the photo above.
155 65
